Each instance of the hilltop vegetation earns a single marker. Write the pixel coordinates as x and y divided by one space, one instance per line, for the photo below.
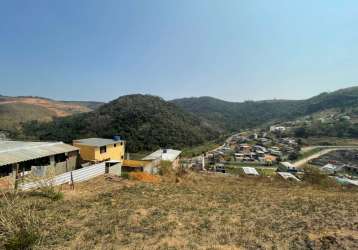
146 122
233 116
194 212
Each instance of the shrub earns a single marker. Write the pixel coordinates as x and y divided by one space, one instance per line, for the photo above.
293 156
48 192
19 225
46 186
125 175
166 168
181 171
171 174
314 176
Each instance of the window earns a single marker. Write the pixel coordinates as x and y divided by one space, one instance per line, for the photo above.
45 161
115 145
122 157
60 158
5 170
121 143
103 149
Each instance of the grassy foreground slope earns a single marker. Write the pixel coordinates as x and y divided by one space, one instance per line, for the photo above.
199 212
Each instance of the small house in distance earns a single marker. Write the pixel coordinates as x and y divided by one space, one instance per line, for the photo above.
287 167
139 166
165 155
250 171
19 158
99 149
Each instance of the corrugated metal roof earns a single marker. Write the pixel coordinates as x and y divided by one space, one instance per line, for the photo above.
287 164
163 154
96 142
19 151
250 171
287 176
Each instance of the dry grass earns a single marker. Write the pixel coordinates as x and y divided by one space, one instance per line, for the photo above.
199 212
60 109
19 224
144 177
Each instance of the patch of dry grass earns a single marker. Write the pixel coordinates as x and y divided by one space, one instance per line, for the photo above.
200 212
19 224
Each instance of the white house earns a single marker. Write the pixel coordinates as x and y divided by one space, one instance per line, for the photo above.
165 155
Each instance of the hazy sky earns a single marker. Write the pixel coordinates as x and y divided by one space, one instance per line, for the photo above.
230 49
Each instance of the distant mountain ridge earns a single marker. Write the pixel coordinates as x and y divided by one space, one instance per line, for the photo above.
235 115
148 122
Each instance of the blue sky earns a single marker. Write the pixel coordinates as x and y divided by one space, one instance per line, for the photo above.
234 50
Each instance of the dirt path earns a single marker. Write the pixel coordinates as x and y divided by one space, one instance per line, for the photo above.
326 150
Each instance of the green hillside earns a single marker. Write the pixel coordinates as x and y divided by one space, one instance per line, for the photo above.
234 115
148 122
145 121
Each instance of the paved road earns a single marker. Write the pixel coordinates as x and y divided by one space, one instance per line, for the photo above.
326 150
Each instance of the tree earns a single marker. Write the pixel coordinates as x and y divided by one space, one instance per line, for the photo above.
301 132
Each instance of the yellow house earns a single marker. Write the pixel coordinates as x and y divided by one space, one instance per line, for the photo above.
99 149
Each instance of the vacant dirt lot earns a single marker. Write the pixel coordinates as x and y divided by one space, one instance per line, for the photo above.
199 212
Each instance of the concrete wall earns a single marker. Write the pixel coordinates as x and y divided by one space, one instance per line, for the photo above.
112 153
176 163
66 166
116 169
89 153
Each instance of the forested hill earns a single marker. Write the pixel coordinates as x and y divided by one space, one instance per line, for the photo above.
148 122
235 115
232 116
145 121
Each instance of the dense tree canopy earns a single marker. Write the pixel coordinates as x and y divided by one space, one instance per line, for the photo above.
233 115
146 122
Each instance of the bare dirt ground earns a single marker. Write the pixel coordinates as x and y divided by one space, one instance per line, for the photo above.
60 109
199 212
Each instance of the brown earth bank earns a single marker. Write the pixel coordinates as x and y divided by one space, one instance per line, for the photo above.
60 109
198 212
